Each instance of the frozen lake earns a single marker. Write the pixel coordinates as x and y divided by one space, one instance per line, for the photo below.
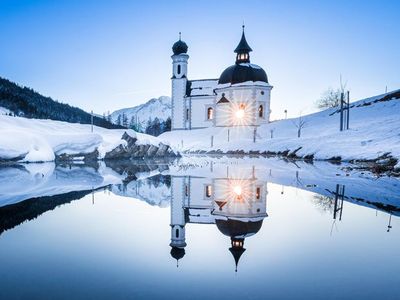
198 228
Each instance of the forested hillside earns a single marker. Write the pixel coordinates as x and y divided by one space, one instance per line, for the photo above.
25 102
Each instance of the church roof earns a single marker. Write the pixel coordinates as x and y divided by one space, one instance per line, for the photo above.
237 253
243 46
201 87
244 72
235 228
177 253
179 47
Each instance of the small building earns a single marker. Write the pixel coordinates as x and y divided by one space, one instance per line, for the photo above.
239 97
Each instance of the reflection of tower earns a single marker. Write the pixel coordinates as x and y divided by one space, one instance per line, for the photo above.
233 198
178 188
240 207
237 249
238 230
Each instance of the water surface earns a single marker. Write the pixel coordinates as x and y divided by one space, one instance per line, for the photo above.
215 228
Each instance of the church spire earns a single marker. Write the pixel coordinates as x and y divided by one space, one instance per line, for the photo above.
243 49
237 249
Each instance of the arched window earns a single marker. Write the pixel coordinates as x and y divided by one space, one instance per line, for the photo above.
179 69
261 111
208 191
210 113
177 233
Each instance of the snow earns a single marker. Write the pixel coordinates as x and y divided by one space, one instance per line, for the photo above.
21 182
245 83
156 107
4 111
32 140
250 65
374 131
145 190
204 87
322 177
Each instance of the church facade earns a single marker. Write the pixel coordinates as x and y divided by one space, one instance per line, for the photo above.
239 97
233 197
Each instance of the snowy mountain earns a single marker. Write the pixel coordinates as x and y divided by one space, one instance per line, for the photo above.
154 108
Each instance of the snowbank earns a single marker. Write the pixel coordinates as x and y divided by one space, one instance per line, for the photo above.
32 140
374 131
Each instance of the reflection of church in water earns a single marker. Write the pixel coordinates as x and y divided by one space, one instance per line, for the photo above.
231 197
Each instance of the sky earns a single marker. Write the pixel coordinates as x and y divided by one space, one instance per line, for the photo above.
106 55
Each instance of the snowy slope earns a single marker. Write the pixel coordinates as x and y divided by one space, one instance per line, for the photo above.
33 140
374 130
156 107
4 111
321 177
21 182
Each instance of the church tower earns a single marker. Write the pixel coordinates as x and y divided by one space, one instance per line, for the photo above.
180 111
179 191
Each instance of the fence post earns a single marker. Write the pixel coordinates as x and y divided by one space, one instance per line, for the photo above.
341 111
212 141
228 134
348 109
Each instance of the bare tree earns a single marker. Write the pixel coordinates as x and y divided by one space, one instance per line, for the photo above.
300 123
331 97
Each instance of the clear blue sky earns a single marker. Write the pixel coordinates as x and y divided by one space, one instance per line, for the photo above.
105 55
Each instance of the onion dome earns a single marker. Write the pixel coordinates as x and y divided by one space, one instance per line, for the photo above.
243 70
235 228
179 47
238 231
177 253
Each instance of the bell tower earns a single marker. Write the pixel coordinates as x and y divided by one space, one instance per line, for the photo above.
180 111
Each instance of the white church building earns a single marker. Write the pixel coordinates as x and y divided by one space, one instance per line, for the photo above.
233 197
239 97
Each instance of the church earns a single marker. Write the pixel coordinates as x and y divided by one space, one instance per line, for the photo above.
239 97
232 197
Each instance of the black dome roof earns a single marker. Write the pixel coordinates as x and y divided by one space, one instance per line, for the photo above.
177 253
241 73
179 47
235 228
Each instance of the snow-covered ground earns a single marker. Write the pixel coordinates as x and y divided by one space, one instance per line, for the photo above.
4 111
22 182
26 181
33 140
154 108
374 130
361 188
